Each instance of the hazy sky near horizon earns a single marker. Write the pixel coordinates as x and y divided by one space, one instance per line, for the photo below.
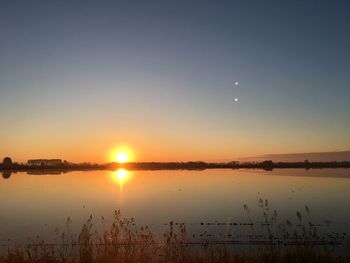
79 78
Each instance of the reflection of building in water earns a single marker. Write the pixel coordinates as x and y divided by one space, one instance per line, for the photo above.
45 162
44 172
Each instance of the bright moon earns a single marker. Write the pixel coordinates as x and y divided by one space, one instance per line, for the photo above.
122 157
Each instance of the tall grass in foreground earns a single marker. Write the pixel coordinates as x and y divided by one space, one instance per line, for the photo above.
123 242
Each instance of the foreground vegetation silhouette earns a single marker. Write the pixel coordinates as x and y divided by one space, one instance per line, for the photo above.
123 241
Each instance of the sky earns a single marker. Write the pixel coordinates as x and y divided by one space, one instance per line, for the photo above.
79 79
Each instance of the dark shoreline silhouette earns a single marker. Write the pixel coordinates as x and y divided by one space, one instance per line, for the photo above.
198 165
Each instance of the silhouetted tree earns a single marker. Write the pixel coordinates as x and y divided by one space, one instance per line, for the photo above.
267 165
7 161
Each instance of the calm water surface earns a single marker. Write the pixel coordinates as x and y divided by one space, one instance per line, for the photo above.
33 205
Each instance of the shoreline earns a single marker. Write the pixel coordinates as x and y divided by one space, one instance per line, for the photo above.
265 165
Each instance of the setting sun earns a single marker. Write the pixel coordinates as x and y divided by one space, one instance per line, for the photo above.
122 157
121 154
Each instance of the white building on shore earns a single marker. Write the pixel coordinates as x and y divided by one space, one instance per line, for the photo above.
45 162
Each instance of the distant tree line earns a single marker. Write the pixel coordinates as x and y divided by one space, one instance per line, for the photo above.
8 165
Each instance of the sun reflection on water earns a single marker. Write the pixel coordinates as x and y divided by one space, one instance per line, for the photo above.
121 176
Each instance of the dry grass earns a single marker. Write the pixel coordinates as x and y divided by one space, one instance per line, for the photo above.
123 243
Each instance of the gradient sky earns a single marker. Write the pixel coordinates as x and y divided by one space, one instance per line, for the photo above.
79 78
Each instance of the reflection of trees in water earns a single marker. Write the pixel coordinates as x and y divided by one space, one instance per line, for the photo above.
6 174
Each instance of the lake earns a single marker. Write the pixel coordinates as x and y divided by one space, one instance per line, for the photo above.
210 202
